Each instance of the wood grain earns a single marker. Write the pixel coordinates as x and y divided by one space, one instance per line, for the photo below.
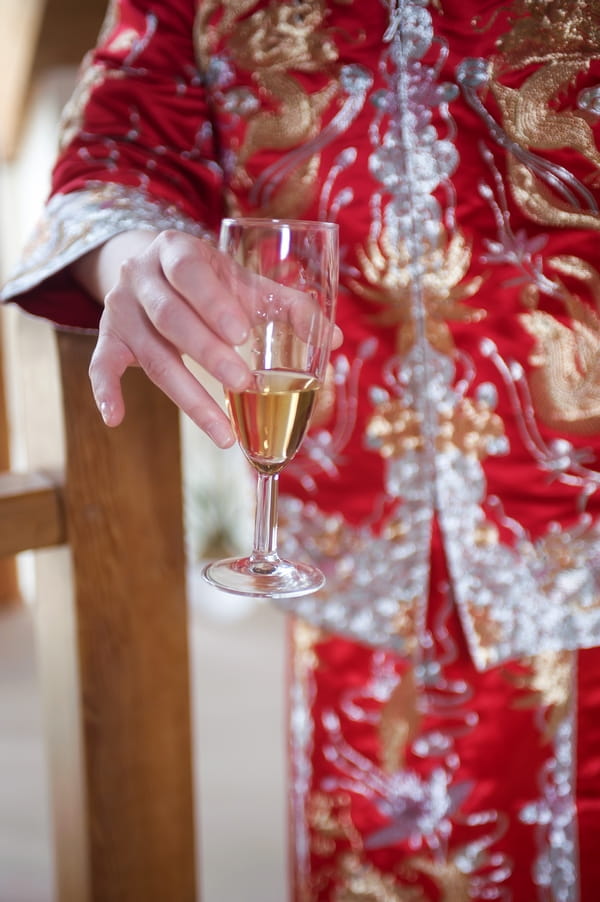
124 515
31 512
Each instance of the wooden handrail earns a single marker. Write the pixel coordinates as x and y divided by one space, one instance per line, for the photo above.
111 640
32 512
131 695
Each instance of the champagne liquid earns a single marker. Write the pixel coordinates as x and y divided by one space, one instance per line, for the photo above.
271 418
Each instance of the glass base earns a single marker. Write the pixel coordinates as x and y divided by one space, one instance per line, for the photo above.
263 578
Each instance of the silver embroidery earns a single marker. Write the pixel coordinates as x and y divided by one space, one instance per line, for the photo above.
371 581
530 595
301 744
554 816
76 223
377 579
420 809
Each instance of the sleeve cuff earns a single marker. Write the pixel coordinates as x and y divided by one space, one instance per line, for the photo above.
71 226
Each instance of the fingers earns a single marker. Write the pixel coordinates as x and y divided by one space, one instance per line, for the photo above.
147 322
181 297
109 361
163 365
197 333
210 282
227 297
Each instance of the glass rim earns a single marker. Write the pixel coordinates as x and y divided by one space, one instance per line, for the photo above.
267 221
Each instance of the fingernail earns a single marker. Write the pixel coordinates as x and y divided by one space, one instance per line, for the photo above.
232 330
220 434
105 411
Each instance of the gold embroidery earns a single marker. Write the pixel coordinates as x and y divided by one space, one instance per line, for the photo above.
562 38
269 43
565 384
305 638
549 684
388 271
404 624
451 881
362 882
208 32
399 723
532 121
546 29
576 268
329 816
469 427
486 534
540 205
487 632
395 429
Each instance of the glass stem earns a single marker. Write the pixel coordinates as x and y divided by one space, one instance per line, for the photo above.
265 523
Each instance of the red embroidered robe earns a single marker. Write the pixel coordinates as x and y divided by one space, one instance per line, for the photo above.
444 735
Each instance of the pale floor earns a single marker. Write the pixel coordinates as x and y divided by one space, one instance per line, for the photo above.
238 711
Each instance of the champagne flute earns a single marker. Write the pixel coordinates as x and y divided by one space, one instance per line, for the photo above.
290 280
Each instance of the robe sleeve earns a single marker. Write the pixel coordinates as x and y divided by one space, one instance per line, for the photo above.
137 151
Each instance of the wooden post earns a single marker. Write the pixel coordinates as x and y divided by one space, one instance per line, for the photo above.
9 589
21 22
125 528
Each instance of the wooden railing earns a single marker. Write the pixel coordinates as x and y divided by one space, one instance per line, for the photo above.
112 643
8 573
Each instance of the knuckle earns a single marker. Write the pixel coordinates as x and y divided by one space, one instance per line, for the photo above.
180 255
128 269
168 237
176 264
116 298
93 369
162 312
172 247
111 302
156 369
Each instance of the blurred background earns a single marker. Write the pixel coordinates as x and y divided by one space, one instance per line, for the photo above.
237 646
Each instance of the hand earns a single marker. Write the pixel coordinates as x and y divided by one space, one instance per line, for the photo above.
176 295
